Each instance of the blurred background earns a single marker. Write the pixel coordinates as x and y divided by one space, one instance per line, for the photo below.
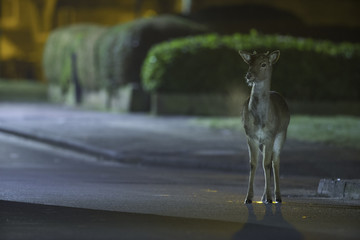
103 31
26 24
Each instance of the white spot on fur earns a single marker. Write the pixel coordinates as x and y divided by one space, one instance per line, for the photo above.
260 134
279 141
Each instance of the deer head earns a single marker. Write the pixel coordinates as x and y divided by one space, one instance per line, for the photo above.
260 65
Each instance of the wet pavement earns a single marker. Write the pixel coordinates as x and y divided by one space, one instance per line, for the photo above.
51 193
166 141
146 177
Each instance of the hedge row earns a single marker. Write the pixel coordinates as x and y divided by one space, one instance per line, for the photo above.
61 44
307 69
108 57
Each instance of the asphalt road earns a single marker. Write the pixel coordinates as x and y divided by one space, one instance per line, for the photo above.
168 141
51 193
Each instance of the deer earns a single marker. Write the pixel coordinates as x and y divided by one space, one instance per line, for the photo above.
265 118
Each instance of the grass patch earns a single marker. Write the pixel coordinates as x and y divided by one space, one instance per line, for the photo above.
223 123
22 90
336 130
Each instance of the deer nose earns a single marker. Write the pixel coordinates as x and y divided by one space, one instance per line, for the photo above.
248 76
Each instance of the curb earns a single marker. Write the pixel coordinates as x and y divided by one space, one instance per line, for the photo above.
334 188
68 144
193 161
340 188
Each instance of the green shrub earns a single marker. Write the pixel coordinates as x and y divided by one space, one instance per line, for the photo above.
307 69
108 57
50 56
104 55
60 46
192 65
86 59
122 49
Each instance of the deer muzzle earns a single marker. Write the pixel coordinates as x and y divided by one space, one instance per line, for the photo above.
249 78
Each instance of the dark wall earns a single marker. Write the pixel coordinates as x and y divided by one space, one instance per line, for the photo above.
269 20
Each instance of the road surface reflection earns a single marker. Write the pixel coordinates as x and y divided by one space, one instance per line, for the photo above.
272 226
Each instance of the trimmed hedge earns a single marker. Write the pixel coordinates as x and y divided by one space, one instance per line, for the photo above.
123 48
307 69
108 57
104 57
87 59
61 44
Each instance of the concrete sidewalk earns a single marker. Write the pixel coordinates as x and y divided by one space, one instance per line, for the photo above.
165 141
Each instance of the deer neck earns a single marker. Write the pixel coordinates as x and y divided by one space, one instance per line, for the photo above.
260 101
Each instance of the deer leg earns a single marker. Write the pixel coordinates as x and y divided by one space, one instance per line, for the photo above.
253 157
279 141
275 164
267 157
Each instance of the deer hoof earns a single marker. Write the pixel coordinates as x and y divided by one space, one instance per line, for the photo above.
266 200
248 201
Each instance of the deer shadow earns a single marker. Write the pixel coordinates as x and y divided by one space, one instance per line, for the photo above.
272 226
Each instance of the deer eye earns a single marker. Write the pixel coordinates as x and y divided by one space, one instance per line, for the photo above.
263 65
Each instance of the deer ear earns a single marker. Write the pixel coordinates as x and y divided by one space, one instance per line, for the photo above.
274 56
245 56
